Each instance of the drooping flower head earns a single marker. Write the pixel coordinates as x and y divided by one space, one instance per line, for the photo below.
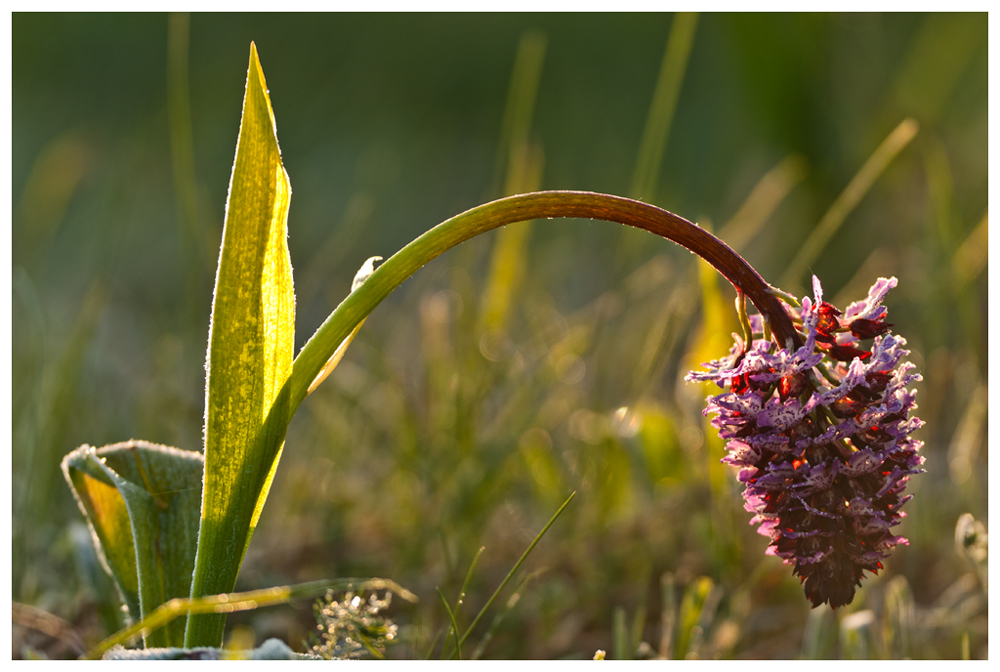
821 436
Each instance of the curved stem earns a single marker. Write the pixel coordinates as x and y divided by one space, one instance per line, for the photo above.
524 207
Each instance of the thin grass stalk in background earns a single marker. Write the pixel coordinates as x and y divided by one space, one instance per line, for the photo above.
53 179
525 162
769 192
520 561
661 110
522 92
659 120
182 153
468 578
57 399
620 645
512 601
855 190
453 632
944 240
817 642
970 258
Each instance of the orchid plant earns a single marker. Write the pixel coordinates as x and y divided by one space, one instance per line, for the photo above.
817 423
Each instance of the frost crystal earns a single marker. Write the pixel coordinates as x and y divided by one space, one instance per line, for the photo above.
351 627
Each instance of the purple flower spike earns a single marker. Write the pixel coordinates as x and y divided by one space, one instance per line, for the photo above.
820 436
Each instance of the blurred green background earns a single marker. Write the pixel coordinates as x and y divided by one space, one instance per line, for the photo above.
529 363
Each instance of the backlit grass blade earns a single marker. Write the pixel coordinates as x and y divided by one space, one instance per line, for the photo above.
763 200
525 161
661 111
855 190
498 619
514 569
656 133
251 340
454 628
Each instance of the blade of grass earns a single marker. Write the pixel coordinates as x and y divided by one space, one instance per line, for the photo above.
816 635
668 616
245 601
661 111
692 604
936 60
313 274
182 150
619 636
468 577
658 122
971 257
458 604
511 603
521 95
513 569
524 173
763 200
510 251
454 628
897 627
60 386
705 616
434 642
859 185
56 174
638 628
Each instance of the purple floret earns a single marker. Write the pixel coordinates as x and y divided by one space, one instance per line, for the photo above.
824 457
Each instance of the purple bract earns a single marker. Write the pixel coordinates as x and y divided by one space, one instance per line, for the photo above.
821 439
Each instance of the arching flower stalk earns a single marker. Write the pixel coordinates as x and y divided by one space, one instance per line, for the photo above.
818 425
820 434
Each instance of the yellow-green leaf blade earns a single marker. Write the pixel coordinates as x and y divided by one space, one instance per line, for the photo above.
251 345
142 503
104 508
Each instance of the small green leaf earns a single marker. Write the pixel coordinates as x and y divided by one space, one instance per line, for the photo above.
363 274
251 341
143 503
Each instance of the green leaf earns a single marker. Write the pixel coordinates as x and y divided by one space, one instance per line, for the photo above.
251 340
143 504
363 274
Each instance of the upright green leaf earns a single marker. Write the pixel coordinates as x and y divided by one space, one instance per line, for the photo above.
251 340
142 501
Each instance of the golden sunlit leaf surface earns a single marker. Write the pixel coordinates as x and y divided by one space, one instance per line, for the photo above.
251 342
